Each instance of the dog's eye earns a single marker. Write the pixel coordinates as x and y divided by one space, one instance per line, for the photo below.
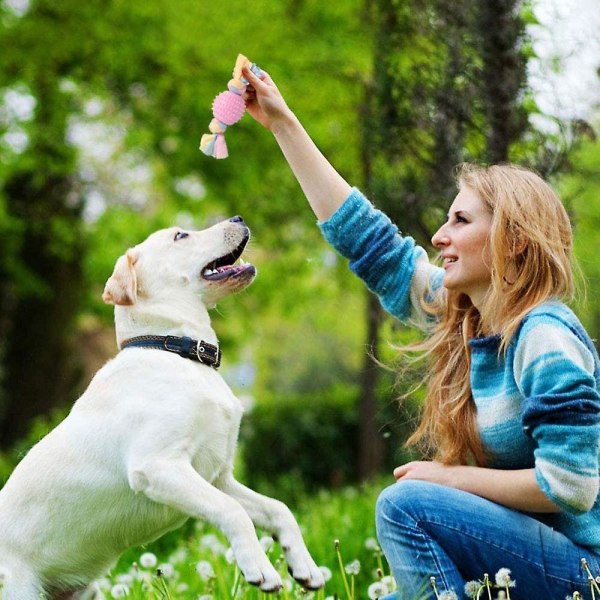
180 235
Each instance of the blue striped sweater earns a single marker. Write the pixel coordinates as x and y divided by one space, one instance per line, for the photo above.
538 406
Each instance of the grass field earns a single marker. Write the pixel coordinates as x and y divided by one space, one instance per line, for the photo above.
195 563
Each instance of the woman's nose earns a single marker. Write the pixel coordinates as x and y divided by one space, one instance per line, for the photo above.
440 238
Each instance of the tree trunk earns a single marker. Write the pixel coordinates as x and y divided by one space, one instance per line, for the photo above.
39 370
371 449
501 32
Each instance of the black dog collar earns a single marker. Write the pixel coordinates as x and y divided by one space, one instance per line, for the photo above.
184 346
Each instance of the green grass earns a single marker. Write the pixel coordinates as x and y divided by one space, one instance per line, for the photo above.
193 562
346 516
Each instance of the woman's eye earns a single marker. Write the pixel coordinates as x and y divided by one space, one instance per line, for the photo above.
180 235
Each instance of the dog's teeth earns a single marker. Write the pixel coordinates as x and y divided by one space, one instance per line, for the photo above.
242 261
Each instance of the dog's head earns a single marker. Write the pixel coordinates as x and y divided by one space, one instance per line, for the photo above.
175 260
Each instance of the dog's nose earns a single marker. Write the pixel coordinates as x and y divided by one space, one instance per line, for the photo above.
236 219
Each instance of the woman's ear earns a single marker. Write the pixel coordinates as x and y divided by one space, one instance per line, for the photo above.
121 287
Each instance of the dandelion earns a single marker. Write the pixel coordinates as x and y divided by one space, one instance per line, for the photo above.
205 570
119 591
178 556
104 584
389 582
448 595
126 579
472 588
3 575
182 588
206 597
148 560
376 590
212 543
326 573
503 579
166 570
372 544
353 568
229 556
266 542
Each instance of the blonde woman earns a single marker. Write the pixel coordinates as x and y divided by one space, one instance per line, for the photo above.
511 423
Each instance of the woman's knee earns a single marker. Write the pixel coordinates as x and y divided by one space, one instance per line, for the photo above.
407 499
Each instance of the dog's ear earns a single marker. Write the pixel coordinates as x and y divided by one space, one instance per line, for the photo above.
121 287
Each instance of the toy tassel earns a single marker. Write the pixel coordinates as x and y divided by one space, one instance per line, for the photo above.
227 108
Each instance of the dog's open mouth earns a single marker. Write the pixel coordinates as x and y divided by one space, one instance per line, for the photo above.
224 266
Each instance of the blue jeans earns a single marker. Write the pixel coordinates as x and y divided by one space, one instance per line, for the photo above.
429 530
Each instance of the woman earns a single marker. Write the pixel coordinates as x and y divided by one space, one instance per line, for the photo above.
511 420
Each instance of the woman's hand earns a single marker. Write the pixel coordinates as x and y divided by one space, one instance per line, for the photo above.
264 102
432 471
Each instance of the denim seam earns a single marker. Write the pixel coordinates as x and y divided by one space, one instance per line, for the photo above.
420 532
475 537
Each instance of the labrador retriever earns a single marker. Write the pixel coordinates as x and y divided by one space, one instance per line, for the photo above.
151 441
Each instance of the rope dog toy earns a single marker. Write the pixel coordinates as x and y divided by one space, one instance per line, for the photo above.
227 108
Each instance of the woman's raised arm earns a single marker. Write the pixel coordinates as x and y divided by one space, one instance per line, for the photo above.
323 186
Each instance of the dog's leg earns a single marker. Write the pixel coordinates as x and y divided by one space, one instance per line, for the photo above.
175 483
21 585
274 516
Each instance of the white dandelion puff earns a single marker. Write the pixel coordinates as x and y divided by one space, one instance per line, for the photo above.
376 590
448 595
389 582
167 570
472 588
503 578
104 584
178 556
353 568
372 544
126 579
148 560
230 556
266 542
212 543
205 570
119 591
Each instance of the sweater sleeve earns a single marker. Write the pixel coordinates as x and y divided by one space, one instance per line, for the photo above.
391 265
554 369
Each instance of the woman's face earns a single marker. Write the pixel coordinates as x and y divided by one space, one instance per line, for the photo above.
463 243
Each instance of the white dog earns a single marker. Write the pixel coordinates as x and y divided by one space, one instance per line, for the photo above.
151 441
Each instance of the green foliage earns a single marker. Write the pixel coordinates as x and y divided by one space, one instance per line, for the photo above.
580 190
311 437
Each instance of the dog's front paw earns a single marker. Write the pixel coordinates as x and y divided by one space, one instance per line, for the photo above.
267 580
304 570
259 571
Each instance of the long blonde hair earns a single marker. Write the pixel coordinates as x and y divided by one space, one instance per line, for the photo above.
530 244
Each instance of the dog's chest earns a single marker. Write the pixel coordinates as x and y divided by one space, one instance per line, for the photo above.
215 432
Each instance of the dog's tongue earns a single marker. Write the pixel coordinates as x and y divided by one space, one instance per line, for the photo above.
222 272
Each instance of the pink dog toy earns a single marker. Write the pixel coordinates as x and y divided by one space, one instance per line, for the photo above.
228 108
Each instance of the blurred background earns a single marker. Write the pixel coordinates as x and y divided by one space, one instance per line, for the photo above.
102 106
